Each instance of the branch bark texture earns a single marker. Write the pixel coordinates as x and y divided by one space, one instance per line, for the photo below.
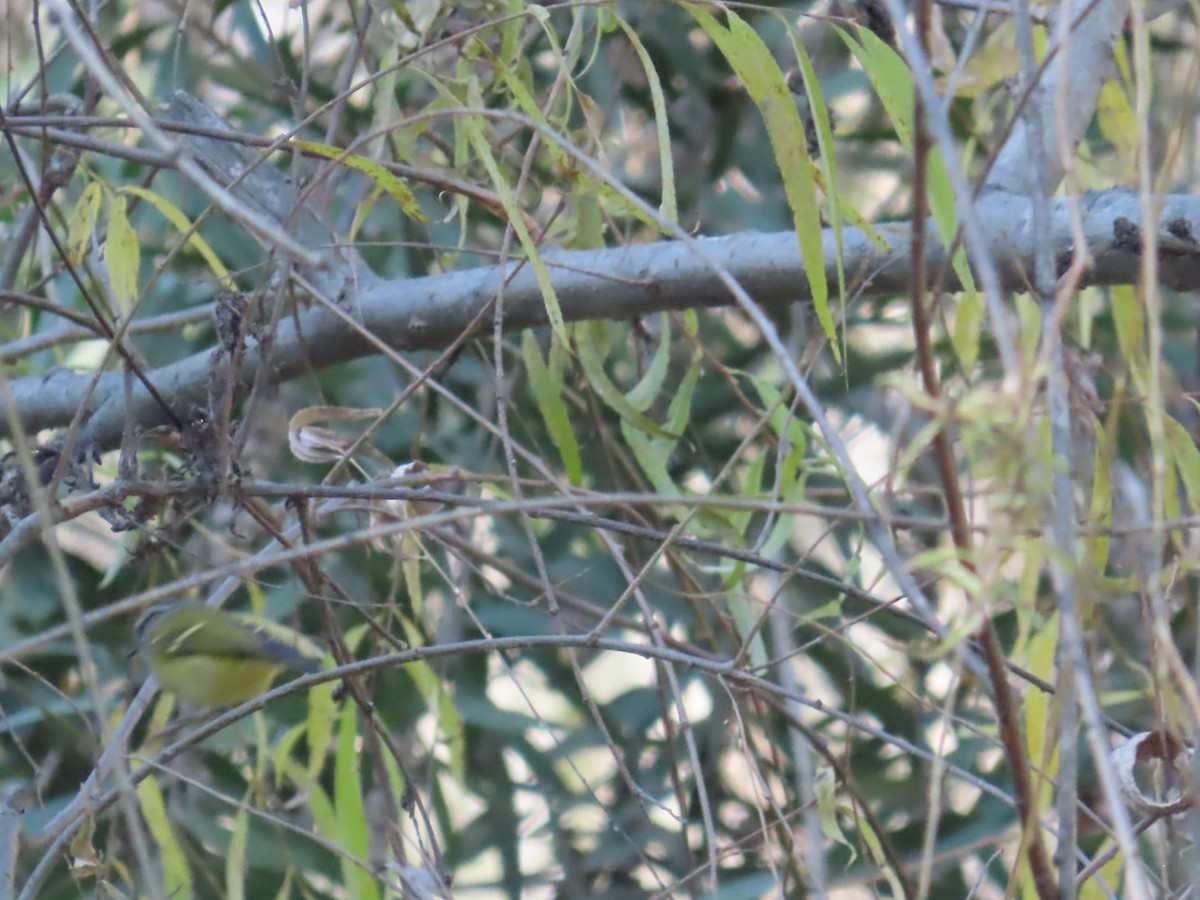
429 313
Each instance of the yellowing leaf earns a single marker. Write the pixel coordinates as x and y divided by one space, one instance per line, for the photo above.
1130 320
122 255
83 859
393 184
968 320
875 847
177 878
183 224
82 222
1041 742
889 76
1118 124
1186 457
1100 512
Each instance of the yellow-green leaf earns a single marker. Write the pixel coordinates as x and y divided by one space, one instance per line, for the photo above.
751 488
548 390
1130 319
82 222
827 809
281 753
393 184
652 455
968 321
827 161
587 217
789 428
323 813
618 205
473 129
894 86
1039 718
881 858
786 425
235 856
792 480
653 451
889 76
453 734
590 336
352 833
122 255
679 410
1100 508
758 71
668 206
410 554
322 710
1186 458
521 90
177 877
1118 123
512 30
745 619
644 392
184 226
1029 318
450 725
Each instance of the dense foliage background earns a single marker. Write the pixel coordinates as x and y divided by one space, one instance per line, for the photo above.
842 587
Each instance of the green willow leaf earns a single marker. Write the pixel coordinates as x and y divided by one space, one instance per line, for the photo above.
472 128
547 385
177 876
754 65
589 338
668 207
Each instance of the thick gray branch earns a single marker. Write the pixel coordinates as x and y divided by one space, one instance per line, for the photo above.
429 313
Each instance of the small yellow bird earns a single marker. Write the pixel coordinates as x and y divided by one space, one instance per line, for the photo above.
215 657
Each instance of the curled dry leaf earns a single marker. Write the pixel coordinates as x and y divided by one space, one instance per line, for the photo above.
311 442
1173 772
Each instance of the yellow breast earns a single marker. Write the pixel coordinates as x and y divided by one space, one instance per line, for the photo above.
213 680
